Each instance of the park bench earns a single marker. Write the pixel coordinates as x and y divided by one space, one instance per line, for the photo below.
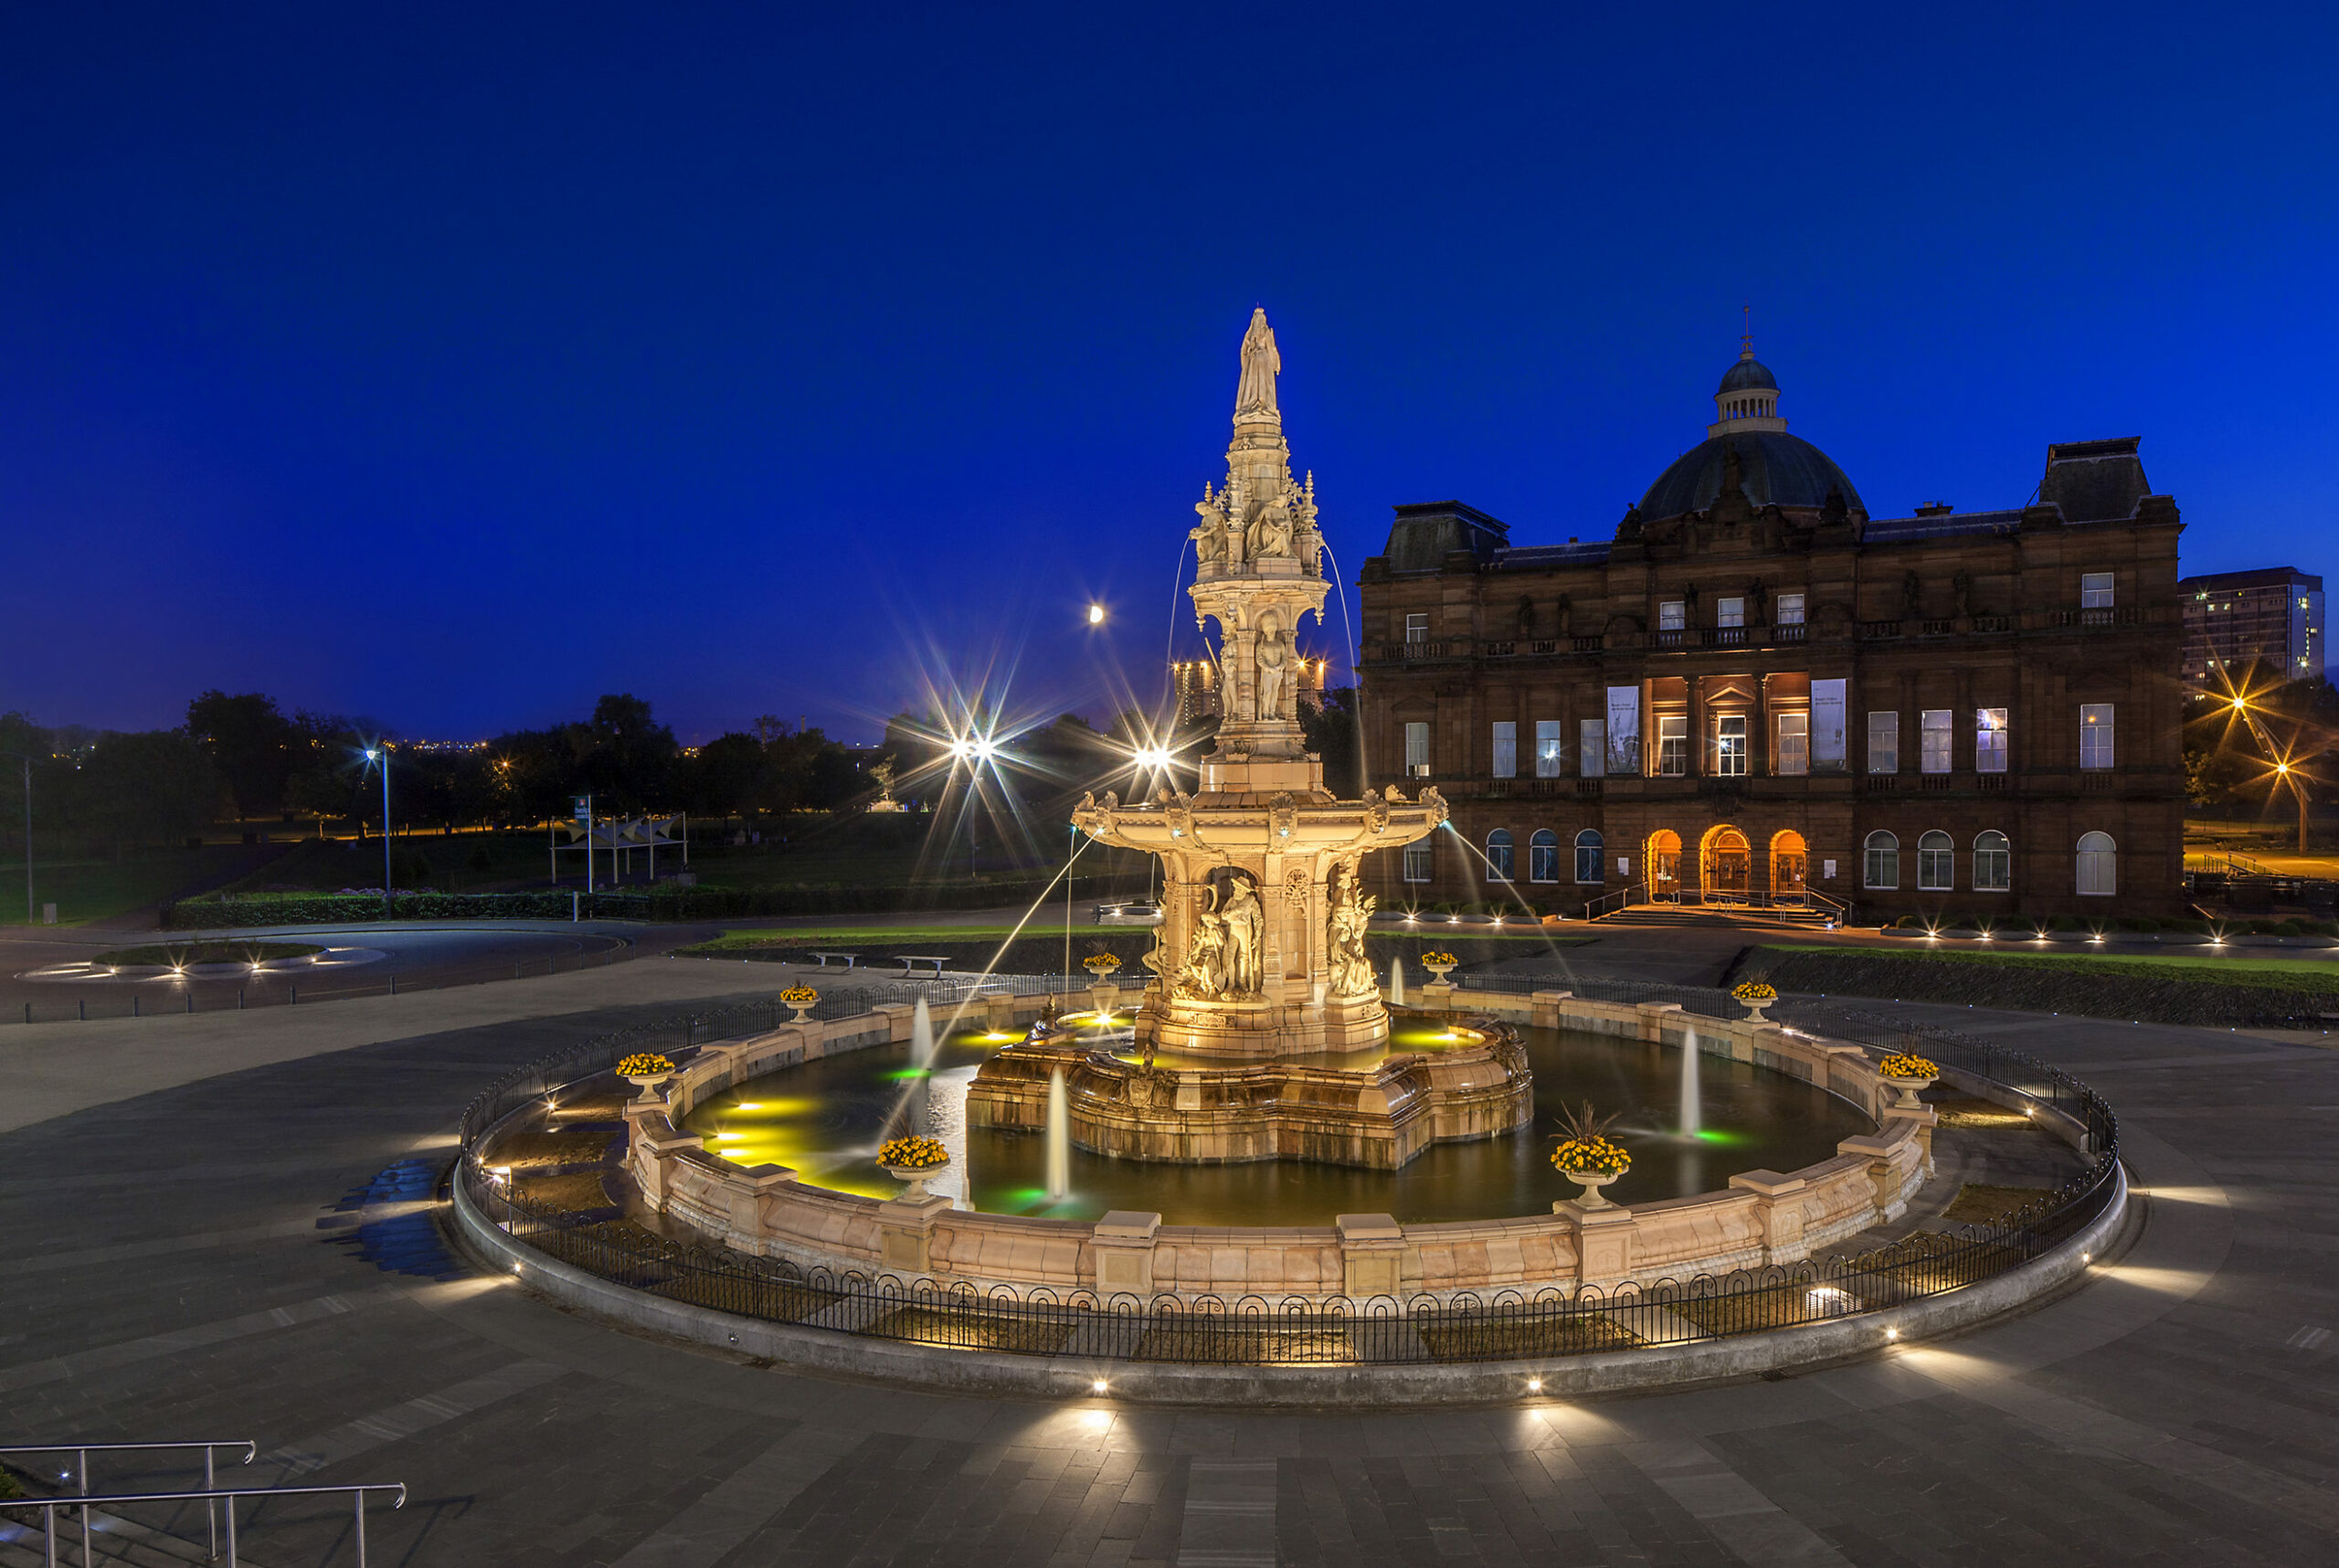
911 961
848 959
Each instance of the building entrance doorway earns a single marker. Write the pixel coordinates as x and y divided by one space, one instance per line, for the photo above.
1788 868
1664 866
1726 866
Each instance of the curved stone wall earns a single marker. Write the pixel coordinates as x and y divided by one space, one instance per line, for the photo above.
1764 1217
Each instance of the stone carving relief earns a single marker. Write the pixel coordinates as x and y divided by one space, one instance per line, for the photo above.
1294 888
1376 812
1345 921
1223 959
1273 660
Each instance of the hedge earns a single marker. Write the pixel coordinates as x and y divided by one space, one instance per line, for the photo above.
663 903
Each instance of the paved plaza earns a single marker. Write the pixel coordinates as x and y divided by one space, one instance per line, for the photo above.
188 1251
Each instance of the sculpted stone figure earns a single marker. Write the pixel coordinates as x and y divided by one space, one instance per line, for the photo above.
1208 535
1344 929
1261 364
1204 975
1244 920
1274 662
1270 531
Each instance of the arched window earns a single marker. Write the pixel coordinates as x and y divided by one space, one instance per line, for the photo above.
1498 855
1543 856
1993 862
1591 865
2099 865
1883 866
1936 862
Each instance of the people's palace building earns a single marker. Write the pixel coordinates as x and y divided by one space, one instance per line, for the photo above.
1755 691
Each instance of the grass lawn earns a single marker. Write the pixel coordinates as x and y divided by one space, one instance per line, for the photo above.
2289 974
96 889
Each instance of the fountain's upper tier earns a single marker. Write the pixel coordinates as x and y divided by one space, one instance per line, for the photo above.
1246 824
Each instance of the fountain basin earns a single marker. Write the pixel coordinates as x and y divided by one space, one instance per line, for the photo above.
1380 1117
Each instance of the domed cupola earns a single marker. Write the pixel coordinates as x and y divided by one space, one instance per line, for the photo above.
1772 467
1748 397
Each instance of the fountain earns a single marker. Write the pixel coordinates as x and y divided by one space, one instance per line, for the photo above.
1258 972
1059 1138
920 1100
1692 1102
1396 983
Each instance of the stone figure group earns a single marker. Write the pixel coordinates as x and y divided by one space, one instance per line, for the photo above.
1349 913
1223 959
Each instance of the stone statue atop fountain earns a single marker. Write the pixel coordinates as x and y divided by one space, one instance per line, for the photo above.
1269 536
1255 393
1274 661
1243 916
1345 924
1210 535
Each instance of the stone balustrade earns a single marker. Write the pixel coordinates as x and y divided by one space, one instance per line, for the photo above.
1764 1217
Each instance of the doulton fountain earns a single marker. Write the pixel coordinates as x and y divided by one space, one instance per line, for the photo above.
1261 1032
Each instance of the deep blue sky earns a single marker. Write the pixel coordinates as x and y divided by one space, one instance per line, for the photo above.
456 365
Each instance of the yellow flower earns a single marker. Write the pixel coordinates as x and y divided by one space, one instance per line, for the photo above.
1592 1155
1103 963
1429 959
1902 1065
912 1154
1756 990
642 1063
800 996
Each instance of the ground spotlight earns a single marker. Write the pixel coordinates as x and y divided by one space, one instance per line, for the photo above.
1096 1385
1534 1385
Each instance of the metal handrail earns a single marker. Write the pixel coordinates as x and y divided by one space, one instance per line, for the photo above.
48 1507
81 1452
1626 897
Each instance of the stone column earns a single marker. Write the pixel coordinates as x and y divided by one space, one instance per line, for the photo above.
1924 1118
1122 1252
1779 1212
1372 1256
1604 1241
905 1232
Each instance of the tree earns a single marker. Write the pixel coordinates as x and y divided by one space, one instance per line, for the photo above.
156 785
251 744
722 780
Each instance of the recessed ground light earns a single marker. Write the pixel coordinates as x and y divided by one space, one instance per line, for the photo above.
1096 1386
1534 1385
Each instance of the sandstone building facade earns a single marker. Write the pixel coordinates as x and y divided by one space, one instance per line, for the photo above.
1755 692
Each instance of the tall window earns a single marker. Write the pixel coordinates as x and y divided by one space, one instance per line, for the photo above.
1417 749
2099 865
1417 862
1417 628
2095 590
1936 861
1790 610
1506 750
1993 862
1548 758
1884 743
1794 753
2095 735
1729 612
1672 745
1669 617
1730 745
1587 858
1543 856
1935 735
1883 867
1989 740
1498 855
1592 747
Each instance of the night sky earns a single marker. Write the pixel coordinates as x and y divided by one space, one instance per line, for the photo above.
454 365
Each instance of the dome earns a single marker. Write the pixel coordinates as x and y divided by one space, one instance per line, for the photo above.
1747 373
1776 469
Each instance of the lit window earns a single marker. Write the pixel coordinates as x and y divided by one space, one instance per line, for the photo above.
1790 610
1589 867
1730 746
1592 747
2099 865
1547 749
1417 862
1936 861
1669 615
1989 740
1793 757
1417 749
1934 735
1672 746
1729 612
1884 743
1883 861
1543 856
2095 590
1993 862
1506 750
1498 855
2095 735
1417 628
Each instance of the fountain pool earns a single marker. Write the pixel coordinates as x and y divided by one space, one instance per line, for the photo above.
825 1117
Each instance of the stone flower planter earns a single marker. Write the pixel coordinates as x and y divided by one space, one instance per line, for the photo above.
1591 1182
915 1176
1441 971
1910 1089
648 1085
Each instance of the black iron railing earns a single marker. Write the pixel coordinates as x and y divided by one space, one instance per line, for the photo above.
1255 1331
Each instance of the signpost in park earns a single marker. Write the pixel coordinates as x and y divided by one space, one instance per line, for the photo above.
584 813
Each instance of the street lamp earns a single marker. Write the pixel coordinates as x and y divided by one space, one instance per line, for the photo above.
1096 615
381 754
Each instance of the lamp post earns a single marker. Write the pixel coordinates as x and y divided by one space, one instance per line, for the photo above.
381 754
